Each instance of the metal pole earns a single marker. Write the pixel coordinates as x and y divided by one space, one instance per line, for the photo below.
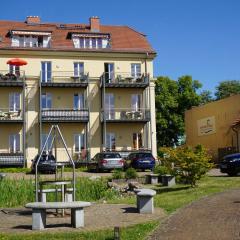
24 122
74 181
36 165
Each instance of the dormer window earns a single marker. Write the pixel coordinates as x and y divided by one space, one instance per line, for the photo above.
31 39
91 41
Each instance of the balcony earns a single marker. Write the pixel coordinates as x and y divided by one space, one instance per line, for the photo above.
64 79
7 116
8 79
125 115
124 80
11 159
65 115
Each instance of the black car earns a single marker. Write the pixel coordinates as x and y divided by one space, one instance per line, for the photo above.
141 160
47 163
231 164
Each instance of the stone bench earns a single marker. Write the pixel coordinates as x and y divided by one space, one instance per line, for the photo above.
145 200
39 212
42 194
168 180
152 178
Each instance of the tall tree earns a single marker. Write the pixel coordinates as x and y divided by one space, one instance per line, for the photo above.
172 99
206 96
227 88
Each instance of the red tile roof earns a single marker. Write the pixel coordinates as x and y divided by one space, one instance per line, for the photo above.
123 38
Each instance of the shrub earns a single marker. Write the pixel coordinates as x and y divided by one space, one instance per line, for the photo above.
161 170
191 164
131 173
117 174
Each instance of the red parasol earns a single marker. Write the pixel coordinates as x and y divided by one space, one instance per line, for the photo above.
17 62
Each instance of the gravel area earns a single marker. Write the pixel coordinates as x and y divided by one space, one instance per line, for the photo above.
97 216
215 217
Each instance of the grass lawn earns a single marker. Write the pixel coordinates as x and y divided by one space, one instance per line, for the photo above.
170 199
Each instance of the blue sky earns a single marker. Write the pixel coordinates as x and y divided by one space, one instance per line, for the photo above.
196 37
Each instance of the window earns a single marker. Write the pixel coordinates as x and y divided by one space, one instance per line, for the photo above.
46 100
137 141
78 101
31 40
136 70
14 143
79 142
109 71
14 102
95 42
78 69
48 146
110 141
14 70
136 102
46 70
109 106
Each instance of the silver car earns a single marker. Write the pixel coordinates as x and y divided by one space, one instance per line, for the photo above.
106 161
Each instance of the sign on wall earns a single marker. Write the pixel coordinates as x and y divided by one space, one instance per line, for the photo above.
206 126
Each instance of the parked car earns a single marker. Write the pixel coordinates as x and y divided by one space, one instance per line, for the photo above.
106 161
140 160
231 164
46 163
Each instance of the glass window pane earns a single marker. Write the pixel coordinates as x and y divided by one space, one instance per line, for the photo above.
87 43
99 42
94 43
81 42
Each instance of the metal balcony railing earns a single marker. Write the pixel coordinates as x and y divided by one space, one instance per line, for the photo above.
9 115
63 77
15 76
63 115
124 79
11 159
125 114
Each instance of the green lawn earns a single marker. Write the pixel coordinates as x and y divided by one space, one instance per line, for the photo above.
170 199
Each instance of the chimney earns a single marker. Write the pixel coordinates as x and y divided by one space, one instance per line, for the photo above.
33 20
94 24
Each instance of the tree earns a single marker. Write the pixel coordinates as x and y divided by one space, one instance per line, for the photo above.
227 88
206 96
172 99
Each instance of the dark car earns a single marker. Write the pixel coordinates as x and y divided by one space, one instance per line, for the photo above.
231 164
106 161
141 160
47 163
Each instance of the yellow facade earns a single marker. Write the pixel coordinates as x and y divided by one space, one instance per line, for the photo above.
211 126
62 98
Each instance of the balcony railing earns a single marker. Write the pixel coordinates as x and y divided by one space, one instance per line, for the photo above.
62 79
11 78
125 115
123 79
65 115
11 159
7 115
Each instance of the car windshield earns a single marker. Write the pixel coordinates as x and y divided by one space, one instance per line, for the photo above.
141 155
111 155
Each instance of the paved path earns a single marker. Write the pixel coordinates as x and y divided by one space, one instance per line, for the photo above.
211 218
97 216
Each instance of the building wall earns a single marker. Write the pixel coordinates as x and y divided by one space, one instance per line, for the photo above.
225 112
94 64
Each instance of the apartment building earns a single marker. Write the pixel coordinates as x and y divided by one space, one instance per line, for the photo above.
94 81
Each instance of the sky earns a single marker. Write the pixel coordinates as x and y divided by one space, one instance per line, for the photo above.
200 38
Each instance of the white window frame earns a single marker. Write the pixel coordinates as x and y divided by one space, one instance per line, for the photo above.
15 99
138 140
134 68
80 103
48 97
43 139
136 101
15 146
109 137
81 142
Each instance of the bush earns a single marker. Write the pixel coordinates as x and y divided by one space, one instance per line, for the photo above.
117 174
131 173
161 170
191 164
